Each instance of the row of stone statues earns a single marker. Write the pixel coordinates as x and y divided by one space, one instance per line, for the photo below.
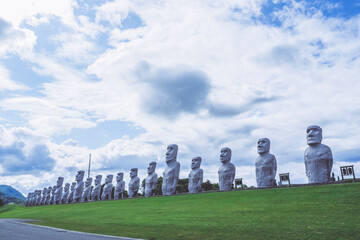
318 164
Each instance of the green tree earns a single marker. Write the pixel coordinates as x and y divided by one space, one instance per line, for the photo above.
158 190
207 186
183 185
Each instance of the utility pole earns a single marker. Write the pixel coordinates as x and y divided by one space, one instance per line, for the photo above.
89 165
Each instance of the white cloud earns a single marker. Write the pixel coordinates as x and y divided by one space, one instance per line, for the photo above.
6 83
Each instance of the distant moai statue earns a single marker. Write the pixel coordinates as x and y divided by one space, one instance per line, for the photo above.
58 191
151 180
106 194
226 171
65 196
71 194
48 196
38 197
195 176
43 198
318 157
79 188
120 186
134 183
28 198
265 165
95 193
87 191
172 171
33 198
52 198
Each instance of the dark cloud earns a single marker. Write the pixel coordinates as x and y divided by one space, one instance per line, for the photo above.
347 156
14 160
173 91
224 110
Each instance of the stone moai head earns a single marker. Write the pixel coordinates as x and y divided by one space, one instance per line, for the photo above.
98 179
263 146
38 192
108 179
60 181
88 182
313 135
79 176
53 190
73 184
225 155
133 172
195 162
44 191
171 153
151 168
49 190
67 186
119 177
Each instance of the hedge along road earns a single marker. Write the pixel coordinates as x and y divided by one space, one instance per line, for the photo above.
15 229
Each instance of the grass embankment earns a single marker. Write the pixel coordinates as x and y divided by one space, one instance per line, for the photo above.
314 212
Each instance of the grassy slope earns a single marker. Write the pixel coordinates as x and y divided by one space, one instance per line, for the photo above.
314 212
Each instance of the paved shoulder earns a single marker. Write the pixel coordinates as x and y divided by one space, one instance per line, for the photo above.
15 229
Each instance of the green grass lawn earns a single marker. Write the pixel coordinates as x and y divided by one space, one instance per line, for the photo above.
313 212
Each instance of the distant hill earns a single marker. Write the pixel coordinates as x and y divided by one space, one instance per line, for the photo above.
9 194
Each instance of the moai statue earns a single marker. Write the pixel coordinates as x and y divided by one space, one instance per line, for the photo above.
65 196
106 194
28 199
52 198
87 191
43 198
71 193
58 191
38 197
265 165
318 157
172 171
134 183
48 196
95 193
79 188
33 198
195 176
120 186
151 180
226 171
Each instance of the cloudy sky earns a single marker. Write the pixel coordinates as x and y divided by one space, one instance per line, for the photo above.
123 79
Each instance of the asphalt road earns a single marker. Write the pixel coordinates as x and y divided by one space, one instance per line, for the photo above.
15 229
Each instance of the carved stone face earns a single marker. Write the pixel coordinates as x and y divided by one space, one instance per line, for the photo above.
49 189
44 191
108 179
88 182
60 181
151 167
79 176
313 135
263 145
133 172
67 186
73 184
98 179
120 177
225 155
195 162
171 152
53 189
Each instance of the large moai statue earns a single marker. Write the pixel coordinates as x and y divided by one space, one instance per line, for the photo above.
71 193
58 191
265 165
106 194
226 171
172 171
28 198
33 198
65 196
38 197
195 176
318 157
52 198
79 188
96 191
48 196
134 183
43 198
120 186
87 191
151 180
